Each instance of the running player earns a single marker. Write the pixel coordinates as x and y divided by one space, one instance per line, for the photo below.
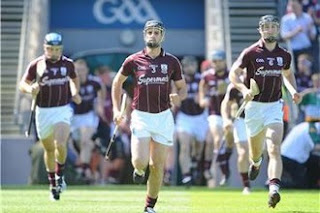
52 79
152 125
269 65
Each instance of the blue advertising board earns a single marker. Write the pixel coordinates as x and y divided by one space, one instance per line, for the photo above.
119 14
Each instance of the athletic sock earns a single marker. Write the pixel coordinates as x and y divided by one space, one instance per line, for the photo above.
150 202
139 172
228 153
224 166
274 185
59 169
245 179
52 179
188 174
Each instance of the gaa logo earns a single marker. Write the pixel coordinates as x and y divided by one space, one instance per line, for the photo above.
123 11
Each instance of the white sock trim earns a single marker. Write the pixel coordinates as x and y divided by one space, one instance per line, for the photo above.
257 164
274 187
139 172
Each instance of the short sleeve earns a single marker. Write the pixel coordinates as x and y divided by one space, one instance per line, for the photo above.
177 70
287 61
284 26
31 72
243 60
127 66
72 72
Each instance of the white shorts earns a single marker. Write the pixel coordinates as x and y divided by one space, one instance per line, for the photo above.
258 115
215 120
158 126
47 117
195 125
239 131
89 119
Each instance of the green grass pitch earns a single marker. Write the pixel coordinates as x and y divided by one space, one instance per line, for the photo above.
130 199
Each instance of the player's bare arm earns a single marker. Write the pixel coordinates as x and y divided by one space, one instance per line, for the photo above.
203 101
116 91
290 83
75 87
234 77
174 90
226 111
100 101
27 86
181 94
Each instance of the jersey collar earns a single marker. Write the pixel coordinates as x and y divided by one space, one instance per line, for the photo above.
162 53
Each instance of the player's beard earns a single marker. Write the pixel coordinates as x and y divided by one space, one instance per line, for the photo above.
271 39
220 71
53 59
152 45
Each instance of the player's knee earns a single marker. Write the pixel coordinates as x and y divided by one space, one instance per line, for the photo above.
156 167
48 147
274 150
60 145
49 150
242 152
241 157
139 163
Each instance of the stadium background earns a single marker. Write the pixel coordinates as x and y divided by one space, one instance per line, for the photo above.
110 29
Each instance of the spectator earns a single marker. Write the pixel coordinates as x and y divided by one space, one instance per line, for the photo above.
303 74
312 7
311 100
300 163
303 78
298 29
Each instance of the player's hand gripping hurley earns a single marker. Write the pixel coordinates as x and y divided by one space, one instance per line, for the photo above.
31 119
254 91
122 110
41 66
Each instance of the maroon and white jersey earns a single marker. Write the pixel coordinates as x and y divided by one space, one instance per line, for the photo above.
54 82
217 86
189 106
88 92
266 68
152 79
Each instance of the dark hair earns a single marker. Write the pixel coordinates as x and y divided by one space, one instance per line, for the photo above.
268 18
188 60
154 23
